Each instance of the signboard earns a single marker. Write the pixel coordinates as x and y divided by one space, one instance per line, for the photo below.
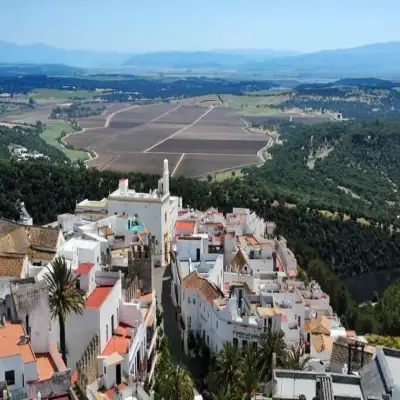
246 335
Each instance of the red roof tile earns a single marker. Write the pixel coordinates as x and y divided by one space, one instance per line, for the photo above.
206 289
97 297
84 269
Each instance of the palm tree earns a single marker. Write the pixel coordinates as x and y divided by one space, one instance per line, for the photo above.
250 375
271 342
64 297
221 395
226 370
178 385
295 359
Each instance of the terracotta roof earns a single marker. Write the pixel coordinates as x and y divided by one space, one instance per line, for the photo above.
185 225
340 351
268 311
240 259
9 339
16 241
207 290
106 230
11 264
43 237
321 325
7 226
84 269
42 255
119 341
98 296
322 342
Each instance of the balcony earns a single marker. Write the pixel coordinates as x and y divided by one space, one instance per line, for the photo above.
152 335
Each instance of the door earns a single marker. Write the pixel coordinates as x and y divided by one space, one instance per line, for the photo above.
118 373
197 254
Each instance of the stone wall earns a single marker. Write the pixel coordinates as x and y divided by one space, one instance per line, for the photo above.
57 385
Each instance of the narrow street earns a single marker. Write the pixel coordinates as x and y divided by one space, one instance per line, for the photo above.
171 328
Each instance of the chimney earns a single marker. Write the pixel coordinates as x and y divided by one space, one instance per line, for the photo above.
123 185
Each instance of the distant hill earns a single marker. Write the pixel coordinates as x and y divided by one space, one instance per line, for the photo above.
39 53
218 59
381 58
371 60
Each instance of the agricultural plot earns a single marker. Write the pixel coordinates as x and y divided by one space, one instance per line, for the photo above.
196 140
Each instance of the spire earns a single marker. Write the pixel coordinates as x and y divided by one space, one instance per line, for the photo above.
166 177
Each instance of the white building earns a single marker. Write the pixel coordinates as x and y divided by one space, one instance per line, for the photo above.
157 209
240 319
125 326
29 359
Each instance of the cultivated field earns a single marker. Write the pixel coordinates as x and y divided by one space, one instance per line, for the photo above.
196 140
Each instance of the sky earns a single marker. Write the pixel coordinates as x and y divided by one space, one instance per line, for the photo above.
162 25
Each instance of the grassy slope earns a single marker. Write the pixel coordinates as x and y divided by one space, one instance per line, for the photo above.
53 132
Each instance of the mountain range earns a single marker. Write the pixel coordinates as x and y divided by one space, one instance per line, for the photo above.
375 59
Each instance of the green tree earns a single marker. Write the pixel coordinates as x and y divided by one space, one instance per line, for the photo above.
272 342
178 384
226 370
388 310
64 297
250 375
296 359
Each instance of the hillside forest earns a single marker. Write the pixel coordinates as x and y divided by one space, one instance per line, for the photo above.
332 251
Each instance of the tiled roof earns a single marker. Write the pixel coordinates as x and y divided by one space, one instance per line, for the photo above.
7 226
84 269
321 325
42 255
11 264
98 296
43 237
16 241
207 290
268 311
9 339
240 259
107 231
322 342
340 351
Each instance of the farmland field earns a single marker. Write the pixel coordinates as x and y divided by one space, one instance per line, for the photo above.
196 140
53 132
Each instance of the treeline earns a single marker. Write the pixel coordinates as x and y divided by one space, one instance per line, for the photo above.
135 86
28 137
75 111
360 157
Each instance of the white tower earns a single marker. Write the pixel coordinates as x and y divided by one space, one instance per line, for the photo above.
166 177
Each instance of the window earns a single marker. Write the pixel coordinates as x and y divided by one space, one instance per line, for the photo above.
165 217
208 340
189 300
244 343
235 342
194 301
107 333
216 324
117 314
10 377
78 284
189 321
270 323
105 370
